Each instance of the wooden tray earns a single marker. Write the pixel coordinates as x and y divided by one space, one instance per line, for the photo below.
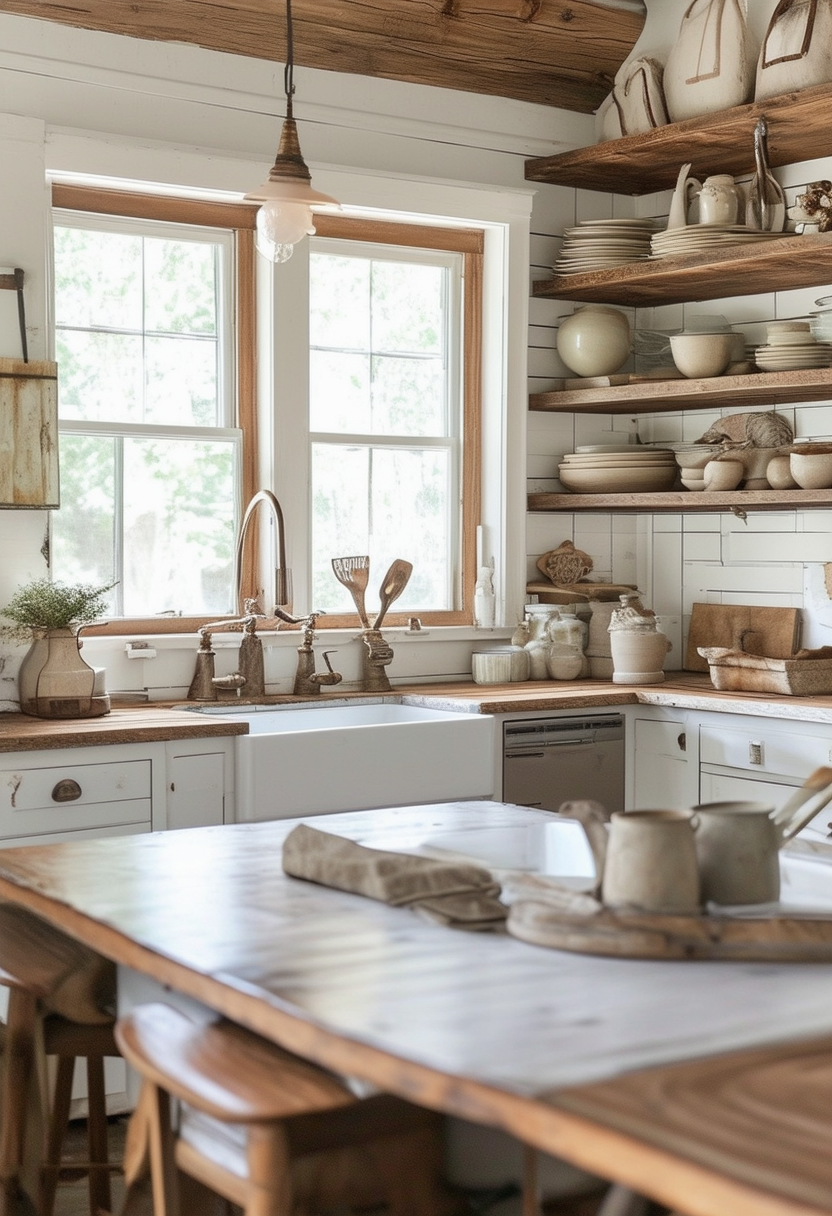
779 939
732 671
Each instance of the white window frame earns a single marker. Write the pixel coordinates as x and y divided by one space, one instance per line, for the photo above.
452 441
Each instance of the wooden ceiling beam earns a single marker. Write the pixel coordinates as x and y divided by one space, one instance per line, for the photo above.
553 52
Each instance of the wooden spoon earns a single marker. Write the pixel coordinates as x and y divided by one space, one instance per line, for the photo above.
817 781
395 581
353 573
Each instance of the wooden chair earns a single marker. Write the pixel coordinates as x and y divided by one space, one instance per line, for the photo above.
40 967
252 1113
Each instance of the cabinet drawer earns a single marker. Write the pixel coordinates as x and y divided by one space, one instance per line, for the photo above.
765 750
661 738
67 797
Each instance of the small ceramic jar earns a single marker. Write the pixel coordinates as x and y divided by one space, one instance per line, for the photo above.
719 200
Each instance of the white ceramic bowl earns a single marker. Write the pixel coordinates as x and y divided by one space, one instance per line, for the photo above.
812 468
699 356
723 474
693 483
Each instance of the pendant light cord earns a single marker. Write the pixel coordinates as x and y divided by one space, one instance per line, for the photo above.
288 71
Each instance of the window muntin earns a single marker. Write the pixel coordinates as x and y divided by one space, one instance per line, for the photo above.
150 458
385 416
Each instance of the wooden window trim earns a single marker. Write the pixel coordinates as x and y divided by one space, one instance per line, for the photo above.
471 244
240 218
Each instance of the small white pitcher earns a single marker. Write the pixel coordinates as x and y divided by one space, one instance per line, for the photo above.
644 860
738 847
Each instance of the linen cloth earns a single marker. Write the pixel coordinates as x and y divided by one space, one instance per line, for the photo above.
457 894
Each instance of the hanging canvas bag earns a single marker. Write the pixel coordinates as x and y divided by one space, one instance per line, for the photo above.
797 48
711 65
639 97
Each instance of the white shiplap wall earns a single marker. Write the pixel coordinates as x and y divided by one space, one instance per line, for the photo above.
773 558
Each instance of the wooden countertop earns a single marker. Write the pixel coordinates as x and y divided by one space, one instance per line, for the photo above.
161 721
623 1066
139 724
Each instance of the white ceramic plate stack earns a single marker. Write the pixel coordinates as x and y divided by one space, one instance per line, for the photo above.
601 244
698 238
618 471
791 347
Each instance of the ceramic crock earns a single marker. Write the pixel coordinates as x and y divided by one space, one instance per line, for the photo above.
595 340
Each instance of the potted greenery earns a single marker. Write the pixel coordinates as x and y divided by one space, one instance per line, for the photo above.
54 680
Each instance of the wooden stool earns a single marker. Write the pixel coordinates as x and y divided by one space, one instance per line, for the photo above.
41 967
251 1110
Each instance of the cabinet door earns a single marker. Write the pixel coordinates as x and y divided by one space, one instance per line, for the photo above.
196 789
662 779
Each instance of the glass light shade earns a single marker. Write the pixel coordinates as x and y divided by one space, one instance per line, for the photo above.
281 224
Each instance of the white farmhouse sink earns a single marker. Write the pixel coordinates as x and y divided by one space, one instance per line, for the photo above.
322 758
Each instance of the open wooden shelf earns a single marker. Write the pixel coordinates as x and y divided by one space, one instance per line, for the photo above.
684 501
733 270
663 396
799 129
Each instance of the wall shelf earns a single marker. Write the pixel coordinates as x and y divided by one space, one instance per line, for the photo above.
665 396
735 270
684 501
799 129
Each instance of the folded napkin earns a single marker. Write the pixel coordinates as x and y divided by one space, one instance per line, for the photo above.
457 894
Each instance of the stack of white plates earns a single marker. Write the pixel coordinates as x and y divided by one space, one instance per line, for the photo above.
600 244
791 347
698 238
628 469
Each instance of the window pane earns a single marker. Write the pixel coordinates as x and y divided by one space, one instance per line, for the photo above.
408 305
98 279
389 503
181 388
408 396
178 526
83 530
339 302
99 376
181 287
339 392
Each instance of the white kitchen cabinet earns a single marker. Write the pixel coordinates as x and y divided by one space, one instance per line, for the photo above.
661 760
200 783
69 793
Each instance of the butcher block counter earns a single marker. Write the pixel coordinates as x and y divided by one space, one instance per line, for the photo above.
702 1084
139 724
171 721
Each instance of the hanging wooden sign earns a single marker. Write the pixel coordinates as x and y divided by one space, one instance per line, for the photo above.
28 434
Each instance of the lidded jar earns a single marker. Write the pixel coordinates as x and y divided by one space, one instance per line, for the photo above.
719 200
638 646
595 340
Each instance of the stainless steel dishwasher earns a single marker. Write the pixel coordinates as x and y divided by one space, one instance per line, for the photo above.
547 761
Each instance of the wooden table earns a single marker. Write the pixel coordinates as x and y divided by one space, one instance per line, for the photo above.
612 1064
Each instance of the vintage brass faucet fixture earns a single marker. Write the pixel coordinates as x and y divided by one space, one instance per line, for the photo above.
307 681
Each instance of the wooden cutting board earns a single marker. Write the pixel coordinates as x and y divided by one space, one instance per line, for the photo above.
776 631
651 935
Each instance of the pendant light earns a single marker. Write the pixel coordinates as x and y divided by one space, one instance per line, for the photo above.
287 197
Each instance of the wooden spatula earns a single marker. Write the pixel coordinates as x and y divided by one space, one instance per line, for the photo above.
354 573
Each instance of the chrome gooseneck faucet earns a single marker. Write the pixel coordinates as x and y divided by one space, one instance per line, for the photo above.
282 575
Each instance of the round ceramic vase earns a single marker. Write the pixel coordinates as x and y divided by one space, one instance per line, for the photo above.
595 340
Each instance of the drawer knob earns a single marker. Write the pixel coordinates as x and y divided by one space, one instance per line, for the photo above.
682 742
66 790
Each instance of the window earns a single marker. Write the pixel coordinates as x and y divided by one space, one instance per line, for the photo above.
393 358
151 446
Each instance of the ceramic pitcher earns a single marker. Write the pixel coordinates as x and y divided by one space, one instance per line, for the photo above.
644 860
738 848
